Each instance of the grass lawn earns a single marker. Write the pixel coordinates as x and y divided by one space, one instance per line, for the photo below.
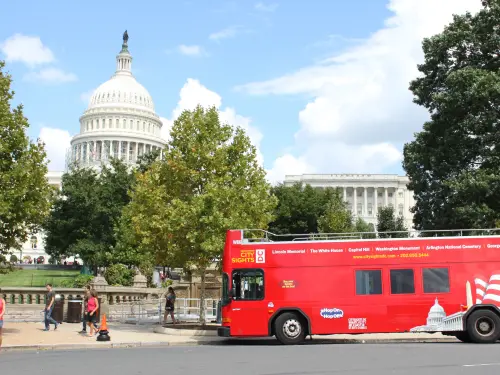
36 278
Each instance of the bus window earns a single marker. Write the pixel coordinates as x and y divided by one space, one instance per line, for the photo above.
368 282
248 284
436 280
402 282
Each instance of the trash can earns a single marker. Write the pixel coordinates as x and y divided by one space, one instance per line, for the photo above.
74 314
58 311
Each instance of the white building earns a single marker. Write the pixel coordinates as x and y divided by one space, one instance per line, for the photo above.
120 120
365 193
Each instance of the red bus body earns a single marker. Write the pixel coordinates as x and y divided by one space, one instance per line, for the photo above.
425 284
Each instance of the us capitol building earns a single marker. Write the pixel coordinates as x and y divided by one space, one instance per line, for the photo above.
119 122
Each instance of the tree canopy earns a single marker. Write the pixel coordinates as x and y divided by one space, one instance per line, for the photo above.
454 162
387 222
25 195
87 214
208 182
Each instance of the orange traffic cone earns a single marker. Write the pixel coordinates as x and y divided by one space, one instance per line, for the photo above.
103 330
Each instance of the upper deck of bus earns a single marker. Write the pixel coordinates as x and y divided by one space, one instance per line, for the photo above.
250 248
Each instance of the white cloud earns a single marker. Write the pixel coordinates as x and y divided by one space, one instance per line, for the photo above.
57 141
362 111
190 50
229 32
26 49
50 75
193 93
266 7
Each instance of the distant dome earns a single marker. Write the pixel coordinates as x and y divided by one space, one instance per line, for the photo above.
120 121
436 314
122 90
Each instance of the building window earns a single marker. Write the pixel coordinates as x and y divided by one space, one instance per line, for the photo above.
248 284
401 210
436 280
390 195
370 209
360 209
402 282
379 195
400 194
34 241
368 282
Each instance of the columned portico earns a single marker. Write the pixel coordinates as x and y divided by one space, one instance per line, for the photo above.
365 193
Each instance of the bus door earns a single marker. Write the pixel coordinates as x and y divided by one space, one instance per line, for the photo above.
249 316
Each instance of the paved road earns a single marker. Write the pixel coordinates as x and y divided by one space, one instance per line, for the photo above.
263 358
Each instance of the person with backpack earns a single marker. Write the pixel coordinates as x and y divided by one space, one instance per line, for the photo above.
170 305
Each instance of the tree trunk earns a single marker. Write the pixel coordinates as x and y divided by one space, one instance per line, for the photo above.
202 296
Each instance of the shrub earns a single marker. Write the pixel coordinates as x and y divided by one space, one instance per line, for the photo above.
119 275
13 258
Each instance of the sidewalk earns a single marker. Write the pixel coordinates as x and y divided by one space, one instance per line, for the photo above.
31 336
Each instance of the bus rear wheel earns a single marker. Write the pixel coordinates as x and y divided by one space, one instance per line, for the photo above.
483 326
289 328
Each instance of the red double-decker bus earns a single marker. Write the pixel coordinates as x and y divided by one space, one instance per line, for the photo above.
301 286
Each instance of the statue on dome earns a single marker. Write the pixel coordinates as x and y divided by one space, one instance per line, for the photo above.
125 37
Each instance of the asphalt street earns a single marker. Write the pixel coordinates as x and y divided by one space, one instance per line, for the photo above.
263 358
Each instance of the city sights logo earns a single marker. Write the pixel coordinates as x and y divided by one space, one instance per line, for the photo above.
331 313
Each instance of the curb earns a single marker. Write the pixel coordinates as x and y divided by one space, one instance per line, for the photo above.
185 332
157 344
104 345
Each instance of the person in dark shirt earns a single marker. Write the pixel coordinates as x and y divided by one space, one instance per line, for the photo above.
49 306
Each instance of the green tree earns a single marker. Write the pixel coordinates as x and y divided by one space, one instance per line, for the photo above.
454 162
86 213
388 222
25 195
367 229
337 217
298 209
208 182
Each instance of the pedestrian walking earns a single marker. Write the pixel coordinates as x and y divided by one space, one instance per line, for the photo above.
169 305
2 313
49 307
92 307
84 313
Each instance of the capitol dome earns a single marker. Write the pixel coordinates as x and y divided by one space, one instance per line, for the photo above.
436 314
120 120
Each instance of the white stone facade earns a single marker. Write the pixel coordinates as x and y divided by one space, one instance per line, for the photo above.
120 121
34 247
365 193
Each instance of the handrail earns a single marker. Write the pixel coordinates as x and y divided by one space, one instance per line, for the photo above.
266 236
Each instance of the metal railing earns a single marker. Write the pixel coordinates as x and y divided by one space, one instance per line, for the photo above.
152 311
261 235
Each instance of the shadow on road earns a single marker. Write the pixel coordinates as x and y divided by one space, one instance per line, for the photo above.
316 341
10 331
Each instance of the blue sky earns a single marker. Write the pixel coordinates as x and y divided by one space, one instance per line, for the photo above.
321 85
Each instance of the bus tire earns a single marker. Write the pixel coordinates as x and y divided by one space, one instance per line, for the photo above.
483 326
463 336
290 328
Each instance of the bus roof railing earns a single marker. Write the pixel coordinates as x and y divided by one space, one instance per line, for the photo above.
262 235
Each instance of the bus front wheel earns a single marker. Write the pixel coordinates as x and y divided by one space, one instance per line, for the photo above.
289 329
483 326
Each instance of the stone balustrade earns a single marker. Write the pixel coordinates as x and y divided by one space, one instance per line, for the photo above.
27 304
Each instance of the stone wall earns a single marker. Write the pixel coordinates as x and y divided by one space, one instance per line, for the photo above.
118 303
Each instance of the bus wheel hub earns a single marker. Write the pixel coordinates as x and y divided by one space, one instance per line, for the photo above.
291 328
485 326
